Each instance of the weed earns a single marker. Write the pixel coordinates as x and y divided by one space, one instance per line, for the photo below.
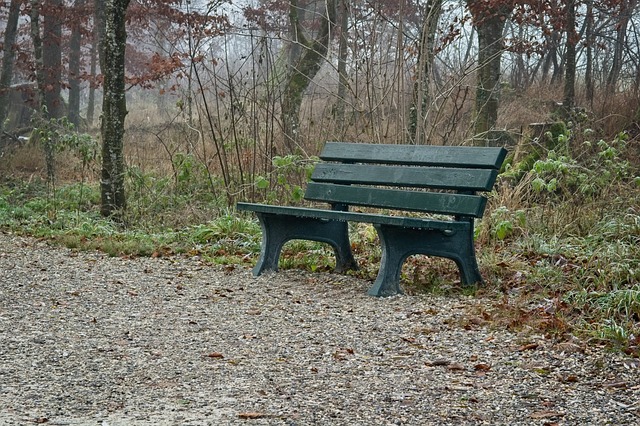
559 246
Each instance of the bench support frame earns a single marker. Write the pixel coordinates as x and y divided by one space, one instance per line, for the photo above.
398 243
278 229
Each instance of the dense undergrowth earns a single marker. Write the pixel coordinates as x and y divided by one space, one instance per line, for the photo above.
559 245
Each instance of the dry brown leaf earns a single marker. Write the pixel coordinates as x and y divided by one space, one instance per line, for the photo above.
252 415
546 414
215 355
438 362
456 366
615 385
528 347
569 378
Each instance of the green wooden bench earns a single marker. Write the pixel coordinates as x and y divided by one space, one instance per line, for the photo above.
388 181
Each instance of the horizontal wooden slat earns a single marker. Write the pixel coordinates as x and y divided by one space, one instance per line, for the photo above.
407 222
417 177
425 155
432 202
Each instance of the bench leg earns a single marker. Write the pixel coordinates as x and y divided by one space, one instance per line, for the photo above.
278 229
399 243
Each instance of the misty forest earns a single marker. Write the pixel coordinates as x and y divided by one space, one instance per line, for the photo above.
135 126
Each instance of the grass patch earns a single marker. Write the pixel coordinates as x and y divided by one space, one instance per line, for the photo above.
559 246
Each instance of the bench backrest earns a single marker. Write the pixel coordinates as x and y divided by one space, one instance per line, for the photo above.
406 177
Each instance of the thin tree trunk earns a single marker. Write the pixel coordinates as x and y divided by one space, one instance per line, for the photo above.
570 58
6 74
98 30
626 9
489 24
91 101
114 110
300 75
37 50
42 112
52 58
588 73
342 66
426 56
74 67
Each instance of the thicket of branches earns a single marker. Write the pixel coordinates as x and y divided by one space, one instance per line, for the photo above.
234 85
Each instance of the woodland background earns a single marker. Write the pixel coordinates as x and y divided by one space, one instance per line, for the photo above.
232 100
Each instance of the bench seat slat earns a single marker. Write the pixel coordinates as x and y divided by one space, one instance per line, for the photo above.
419 155
462 179
433 202
406 222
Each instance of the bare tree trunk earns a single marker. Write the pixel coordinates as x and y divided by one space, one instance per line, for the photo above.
588 72
300 74
489 23
626 9
74 67
91 101
570 58
550 57
342 66
114 110
98 30
426 55
37 50
52 58
41 80
6 74
520 77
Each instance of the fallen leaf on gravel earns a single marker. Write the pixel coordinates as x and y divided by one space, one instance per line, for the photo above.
477 321
40 420
569 348
341 354
569 378
482 367
546 414
438 362
252 415
215 355
615 385
456 367
528 347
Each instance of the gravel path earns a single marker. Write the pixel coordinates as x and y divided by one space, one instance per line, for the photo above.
90 340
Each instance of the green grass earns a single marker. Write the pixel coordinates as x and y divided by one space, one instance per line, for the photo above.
559 246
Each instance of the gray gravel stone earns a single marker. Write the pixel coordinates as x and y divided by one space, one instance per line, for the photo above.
87 339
